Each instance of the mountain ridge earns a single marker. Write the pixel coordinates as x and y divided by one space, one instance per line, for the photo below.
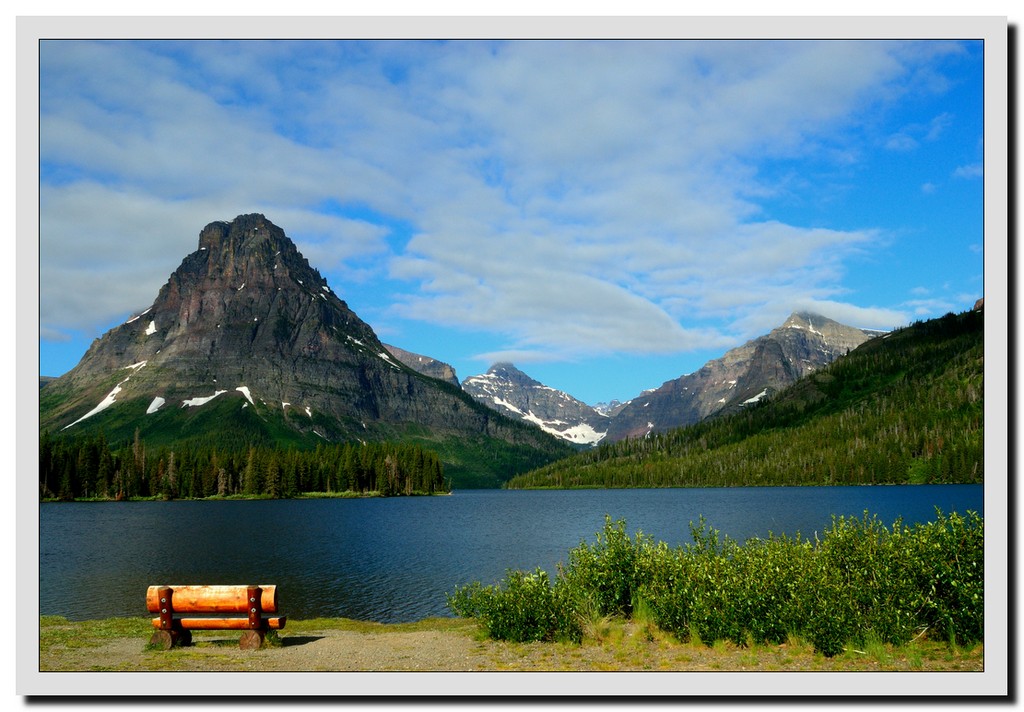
804 342
905 408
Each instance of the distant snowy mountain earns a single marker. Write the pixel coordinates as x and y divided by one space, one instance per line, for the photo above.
510 391
610 409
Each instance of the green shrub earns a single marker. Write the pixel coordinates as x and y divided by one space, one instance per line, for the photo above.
610 571
952 556
831 624
862 582
526 608
711 590
767 578
669 591
874 573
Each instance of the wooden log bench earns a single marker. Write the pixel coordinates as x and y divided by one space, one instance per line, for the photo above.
239 607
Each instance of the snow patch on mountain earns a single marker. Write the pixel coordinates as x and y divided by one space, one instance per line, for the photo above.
508 406
111 397
138 316
103 405
582 433
756 398
387 357
200 400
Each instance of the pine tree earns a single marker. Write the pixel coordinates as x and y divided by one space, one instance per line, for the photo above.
272 477
251 477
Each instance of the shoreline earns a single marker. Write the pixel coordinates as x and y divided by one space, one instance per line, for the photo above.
246 498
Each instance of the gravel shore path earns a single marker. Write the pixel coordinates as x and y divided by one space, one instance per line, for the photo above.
332 650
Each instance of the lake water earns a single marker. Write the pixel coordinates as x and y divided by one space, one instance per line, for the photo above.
393 560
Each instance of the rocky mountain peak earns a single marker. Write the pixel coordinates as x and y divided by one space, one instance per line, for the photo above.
800 318
239 307
246 233
741 377
245 325
250 245
507 371
829 335
426 365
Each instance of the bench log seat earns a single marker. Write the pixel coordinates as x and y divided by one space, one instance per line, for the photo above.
221 607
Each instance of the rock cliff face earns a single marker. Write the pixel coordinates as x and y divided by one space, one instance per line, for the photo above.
508 390
245 317
742 376
425 365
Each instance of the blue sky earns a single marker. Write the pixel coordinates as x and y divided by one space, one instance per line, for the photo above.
606 214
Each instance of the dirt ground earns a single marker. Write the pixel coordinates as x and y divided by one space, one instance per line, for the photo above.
459 647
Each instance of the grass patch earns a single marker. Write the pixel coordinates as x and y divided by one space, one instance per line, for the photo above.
438 624
58 631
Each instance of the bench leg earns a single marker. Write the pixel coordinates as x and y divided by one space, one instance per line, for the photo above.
252 639
167 639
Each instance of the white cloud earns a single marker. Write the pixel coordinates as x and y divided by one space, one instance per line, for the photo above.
924 307
901 142
938 126
904 140
862 317
974 170
53 335
569 197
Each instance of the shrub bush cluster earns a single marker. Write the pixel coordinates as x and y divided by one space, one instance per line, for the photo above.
526 608
861 582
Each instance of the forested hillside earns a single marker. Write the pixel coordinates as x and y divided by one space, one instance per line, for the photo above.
903 408
86 467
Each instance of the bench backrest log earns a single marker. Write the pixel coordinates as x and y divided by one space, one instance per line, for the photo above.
210 599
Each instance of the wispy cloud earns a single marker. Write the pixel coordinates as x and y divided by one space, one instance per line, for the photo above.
921 307
901 142
973 170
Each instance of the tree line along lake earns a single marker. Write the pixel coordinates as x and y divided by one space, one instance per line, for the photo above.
394 559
